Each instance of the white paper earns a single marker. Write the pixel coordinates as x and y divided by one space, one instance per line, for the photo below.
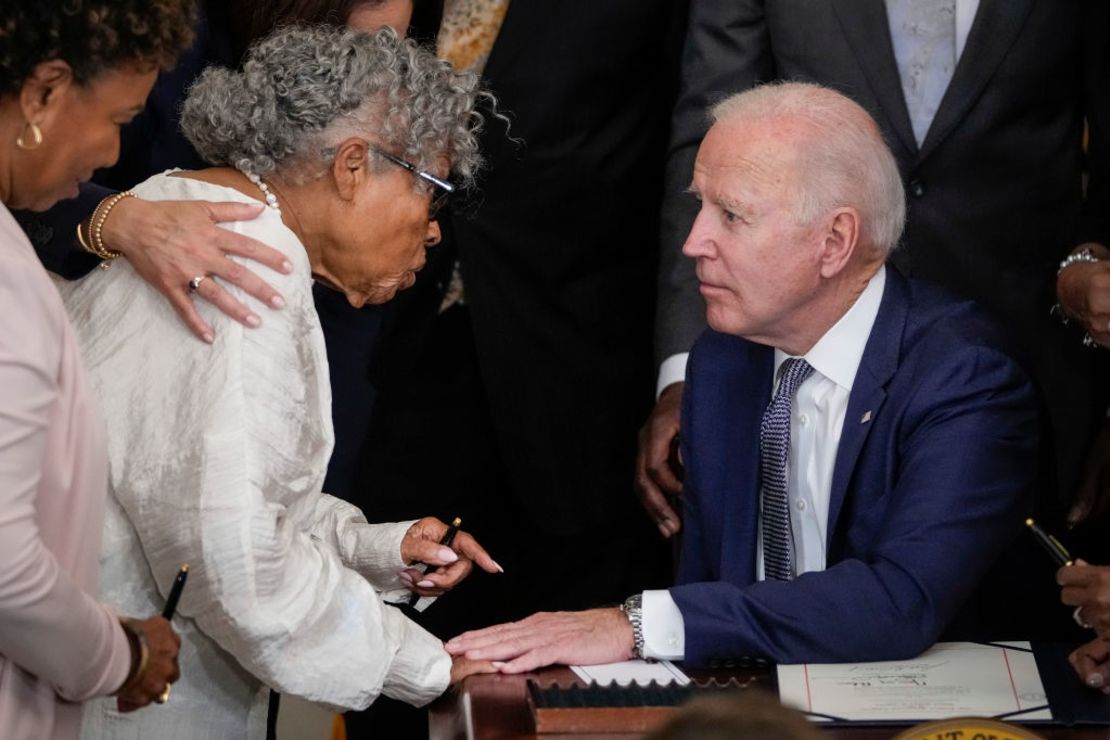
640 671
951 679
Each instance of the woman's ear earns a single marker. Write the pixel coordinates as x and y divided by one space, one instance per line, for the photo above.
43 91
351 167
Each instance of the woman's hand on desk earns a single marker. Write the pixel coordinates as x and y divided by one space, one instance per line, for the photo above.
462 667
569 638
447 565
1092 663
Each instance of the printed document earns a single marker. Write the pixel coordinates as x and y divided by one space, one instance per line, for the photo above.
951 679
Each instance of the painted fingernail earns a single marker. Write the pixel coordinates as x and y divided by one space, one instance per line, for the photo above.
1095 680
497 664
426 584
404 576
287 267
447 555
498 566
208 337
277 302
253 321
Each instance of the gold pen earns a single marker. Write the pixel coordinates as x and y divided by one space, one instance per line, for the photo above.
1057 551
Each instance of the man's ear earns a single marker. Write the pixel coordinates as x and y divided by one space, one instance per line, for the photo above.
351 167
839 241
43 91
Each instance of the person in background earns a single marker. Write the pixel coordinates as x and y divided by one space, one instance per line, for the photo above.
219 451
70 74
859 447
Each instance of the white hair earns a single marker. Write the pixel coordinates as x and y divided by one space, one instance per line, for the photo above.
843 160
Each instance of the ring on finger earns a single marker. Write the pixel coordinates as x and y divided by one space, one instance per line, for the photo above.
194 284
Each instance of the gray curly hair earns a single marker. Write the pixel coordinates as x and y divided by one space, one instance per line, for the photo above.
304 89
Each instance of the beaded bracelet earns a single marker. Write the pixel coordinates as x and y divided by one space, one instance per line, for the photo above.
95 243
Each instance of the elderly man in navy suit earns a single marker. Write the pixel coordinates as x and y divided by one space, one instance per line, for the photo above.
859 450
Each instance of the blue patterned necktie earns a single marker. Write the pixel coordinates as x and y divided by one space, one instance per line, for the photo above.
774 444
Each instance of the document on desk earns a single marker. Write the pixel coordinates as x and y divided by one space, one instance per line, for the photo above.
641 672
951 679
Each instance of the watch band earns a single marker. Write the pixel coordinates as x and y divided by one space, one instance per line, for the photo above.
633 609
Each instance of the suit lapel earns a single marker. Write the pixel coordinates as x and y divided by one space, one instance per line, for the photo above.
750 396
877 367
865 26
996 27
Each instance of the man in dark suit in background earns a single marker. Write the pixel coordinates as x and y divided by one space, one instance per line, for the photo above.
859 448
983 104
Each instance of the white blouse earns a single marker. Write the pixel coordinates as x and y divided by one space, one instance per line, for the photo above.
218 455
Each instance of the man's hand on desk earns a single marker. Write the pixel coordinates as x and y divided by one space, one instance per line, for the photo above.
447 566
1092 663
656 477
570 638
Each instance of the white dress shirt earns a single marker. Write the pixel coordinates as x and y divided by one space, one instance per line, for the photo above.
217 457
816 421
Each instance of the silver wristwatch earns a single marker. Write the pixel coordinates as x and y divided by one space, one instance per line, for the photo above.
1083 255
634 610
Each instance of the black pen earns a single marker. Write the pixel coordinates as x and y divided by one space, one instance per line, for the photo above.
447 538
1058 552
175 592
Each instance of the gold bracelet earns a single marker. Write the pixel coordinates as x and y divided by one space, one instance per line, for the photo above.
135 635
81 240
96 229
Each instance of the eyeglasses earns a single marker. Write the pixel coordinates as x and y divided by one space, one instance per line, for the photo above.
441 189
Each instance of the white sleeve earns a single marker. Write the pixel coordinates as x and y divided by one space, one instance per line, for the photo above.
672 370
663 626
374 550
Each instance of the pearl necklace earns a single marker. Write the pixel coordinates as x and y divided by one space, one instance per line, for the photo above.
271 199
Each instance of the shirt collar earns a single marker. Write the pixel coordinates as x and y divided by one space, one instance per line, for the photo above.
838 353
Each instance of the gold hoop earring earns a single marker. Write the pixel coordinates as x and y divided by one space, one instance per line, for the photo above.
36 137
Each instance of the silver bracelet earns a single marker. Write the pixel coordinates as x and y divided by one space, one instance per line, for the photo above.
1083 255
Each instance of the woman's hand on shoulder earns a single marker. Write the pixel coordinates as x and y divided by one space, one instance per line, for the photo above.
447 565
169 243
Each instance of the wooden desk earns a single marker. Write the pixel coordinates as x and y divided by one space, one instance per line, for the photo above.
495 707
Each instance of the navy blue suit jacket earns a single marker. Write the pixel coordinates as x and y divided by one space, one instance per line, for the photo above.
934 473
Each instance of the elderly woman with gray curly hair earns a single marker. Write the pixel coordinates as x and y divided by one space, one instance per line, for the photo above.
218 453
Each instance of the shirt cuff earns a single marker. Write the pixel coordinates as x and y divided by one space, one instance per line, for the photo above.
663 626
673 370
378 558
421 668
